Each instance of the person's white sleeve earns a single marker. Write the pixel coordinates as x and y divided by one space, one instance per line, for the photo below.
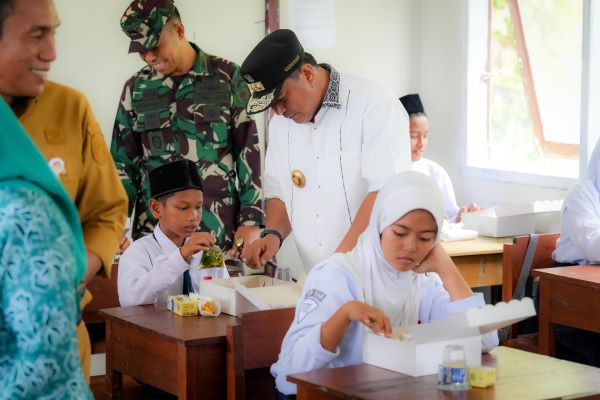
450 205
386 144
271 184
141 278
301 350
436 304
581 218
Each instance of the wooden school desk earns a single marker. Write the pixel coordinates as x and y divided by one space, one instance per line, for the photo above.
519 375
184 356
568 296
479 260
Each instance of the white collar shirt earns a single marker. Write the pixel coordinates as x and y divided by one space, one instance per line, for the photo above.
358 140
579 241
301 350
437 172
152 268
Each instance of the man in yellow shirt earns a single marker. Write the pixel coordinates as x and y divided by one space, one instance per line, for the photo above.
61 123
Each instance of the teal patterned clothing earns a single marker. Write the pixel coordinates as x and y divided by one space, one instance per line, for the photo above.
39 304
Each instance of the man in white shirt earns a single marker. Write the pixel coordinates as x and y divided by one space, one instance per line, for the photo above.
333 143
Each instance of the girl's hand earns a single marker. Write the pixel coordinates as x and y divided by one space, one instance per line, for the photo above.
435 261
372 317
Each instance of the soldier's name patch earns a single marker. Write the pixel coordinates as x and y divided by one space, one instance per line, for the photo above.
151 103
211 92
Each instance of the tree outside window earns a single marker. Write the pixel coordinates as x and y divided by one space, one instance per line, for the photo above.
530 89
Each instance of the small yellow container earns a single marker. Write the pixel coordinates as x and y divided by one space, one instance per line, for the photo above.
482 377
183 305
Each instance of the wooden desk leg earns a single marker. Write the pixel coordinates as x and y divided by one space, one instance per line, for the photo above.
547 339
183 380
201 372
114 378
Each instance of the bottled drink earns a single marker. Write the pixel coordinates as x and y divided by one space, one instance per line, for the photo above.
453 373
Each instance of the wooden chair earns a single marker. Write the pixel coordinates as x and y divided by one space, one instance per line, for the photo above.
105 295
513 257
252 347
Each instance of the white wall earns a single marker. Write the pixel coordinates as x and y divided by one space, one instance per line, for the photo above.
92 49
441 77
372 40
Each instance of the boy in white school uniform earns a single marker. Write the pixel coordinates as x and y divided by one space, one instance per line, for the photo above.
419 134
167 261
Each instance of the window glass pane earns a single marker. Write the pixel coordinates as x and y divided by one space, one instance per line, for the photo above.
553 35
553 31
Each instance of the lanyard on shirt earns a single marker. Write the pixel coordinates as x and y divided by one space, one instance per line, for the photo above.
187 278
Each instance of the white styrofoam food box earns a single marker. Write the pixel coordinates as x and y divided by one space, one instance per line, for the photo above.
547 216
502 221
421 350
250 293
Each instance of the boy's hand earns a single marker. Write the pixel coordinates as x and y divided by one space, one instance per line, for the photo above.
199 241
372 317
436 260
123 244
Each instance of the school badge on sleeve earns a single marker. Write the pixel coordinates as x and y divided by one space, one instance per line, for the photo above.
298 178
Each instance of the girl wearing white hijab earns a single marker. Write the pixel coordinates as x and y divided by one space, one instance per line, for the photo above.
579 241
381 283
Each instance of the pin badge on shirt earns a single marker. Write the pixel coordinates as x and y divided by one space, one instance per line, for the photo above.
298 178
57 165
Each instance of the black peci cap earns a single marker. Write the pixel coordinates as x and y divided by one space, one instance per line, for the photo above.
174 177
412 103
268 65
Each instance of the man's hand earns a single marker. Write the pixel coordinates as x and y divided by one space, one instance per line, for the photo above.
199 241
260 251
244 236
372 317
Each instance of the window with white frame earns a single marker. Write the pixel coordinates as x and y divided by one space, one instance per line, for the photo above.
528 90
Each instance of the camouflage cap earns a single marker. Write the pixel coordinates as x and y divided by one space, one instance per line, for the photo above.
143 21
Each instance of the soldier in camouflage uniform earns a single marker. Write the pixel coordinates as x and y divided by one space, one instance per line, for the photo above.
186 104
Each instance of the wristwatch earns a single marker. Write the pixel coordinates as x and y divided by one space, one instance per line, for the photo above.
272 232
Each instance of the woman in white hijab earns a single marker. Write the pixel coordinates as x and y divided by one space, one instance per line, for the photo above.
381 283
579 241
